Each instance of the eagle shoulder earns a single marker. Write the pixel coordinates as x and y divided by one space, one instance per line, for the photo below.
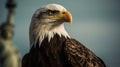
25 60
80 56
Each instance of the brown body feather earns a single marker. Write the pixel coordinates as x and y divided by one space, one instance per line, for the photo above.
61 52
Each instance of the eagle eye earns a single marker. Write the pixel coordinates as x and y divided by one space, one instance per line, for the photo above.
52 12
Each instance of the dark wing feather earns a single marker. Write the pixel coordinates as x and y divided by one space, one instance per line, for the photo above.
80 56
25 60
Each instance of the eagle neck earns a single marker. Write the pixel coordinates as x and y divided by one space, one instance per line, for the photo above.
48 31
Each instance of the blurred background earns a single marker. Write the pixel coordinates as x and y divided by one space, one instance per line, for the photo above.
96 24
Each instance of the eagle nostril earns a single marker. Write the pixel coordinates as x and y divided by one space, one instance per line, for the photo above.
63 12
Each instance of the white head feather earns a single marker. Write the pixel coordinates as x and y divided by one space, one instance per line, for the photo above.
41 28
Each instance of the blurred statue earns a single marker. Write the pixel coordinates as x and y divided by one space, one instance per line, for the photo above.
9 55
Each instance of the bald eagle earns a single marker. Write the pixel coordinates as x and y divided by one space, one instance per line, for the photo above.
51 45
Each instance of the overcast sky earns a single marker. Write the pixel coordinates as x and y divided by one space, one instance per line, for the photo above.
96 24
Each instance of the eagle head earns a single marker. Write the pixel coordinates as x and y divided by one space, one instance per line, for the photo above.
48 21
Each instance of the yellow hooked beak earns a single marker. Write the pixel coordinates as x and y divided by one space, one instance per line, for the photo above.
65 17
